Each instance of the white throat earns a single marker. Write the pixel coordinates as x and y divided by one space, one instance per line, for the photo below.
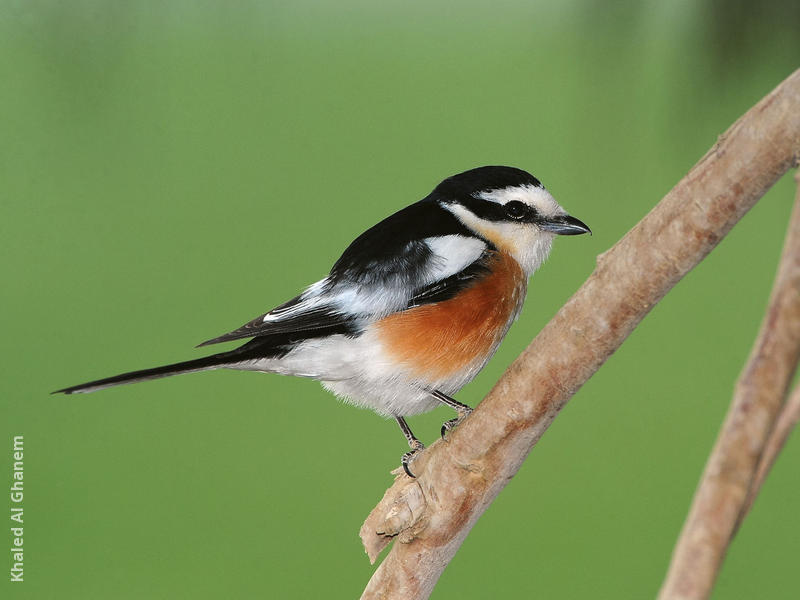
525 242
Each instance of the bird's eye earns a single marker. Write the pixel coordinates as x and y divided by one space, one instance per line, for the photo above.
516 209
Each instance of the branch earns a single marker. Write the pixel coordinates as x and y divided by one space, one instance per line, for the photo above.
787 419
721 498
456 481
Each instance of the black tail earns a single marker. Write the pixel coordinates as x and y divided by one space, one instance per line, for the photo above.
215 361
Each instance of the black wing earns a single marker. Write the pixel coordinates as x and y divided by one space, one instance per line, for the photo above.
394 246
389 257
304 324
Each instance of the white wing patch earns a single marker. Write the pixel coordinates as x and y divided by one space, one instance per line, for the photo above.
309 299
377 299
451 254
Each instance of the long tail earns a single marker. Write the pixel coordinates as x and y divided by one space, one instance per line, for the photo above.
215 361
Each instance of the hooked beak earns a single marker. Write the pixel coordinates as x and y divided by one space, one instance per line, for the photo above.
565 225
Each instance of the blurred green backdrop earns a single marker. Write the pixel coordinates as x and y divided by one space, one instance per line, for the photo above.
170 170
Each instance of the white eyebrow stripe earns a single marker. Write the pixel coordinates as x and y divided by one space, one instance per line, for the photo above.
451 254
505 195
537 197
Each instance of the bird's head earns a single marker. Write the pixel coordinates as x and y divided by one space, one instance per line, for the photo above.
510 209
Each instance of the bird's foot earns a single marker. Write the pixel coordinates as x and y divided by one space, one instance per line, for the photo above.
453 423
416 448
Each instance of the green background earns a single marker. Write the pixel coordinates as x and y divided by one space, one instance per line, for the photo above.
170 170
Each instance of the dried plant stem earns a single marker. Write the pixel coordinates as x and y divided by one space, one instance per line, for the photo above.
787 419
731 468
430 516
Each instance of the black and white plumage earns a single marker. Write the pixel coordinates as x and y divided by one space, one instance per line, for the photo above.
414 307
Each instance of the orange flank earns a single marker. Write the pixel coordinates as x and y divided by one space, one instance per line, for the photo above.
435 341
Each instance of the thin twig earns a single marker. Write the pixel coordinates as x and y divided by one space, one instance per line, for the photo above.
731 468
430 516
787 419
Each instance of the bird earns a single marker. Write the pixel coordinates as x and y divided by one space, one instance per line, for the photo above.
414 307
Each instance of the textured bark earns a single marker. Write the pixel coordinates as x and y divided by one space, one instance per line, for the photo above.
457 480
722 496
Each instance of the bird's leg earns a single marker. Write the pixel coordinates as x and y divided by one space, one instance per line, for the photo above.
462 409
415 444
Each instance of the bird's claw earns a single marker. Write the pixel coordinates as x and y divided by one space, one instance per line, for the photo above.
453 423
411 455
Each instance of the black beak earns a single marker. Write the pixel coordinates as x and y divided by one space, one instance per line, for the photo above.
565 225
